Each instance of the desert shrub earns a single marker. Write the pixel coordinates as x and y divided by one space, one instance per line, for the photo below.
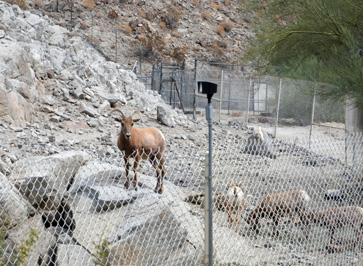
141 13
196 48
227 2
216 6
220 30
90 4
21 4
112 14
177 34
163 25
83 25
125 28
196 3
38 3
228 26
206 15
179 53
170 18
151 46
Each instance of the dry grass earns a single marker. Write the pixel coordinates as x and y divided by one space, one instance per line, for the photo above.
216 6
163 26
179 53
196 3
90 4
196 48
227 3
125 28
21 4
176 34
228 26
38 3
93 39
220 30
236 114
206 15
112 14
141 38
83 25
141 13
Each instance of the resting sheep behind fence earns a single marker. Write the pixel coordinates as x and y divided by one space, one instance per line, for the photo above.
278 205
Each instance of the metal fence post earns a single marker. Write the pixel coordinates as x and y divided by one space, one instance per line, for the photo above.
152 77
206 212
248 102
209 221
278 108
160 77
312 118
195 90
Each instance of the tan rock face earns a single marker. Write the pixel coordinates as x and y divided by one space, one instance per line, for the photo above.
19 85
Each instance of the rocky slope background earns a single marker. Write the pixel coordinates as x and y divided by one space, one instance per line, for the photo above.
58 85
56 94
58 88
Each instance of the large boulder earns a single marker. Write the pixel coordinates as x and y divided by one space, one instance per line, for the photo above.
44 180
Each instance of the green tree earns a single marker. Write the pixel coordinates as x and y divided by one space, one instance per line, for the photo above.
315 40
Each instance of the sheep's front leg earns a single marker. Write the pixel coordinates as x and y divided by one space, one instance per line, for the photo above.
127 169
136 165
276 232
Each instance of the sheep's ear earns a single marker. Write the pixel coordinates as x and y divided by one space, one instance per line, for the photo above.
136 119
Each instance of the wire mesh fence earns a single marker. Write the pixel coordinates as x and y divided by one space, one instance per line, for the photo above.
252 98
73 209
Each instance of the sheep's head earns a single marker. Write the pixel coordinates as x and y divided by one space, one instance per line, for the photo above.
127 122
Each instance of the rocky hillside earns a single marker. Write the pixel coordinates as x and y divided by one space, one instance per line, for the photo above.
152 31
57 90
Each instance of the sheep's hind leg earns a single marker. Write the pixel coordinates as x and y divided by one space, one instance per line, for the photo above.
160 174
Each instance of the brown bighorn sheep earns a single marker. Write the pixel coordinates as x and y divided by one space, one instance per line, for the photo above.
141 143
337 217
232 202
277 205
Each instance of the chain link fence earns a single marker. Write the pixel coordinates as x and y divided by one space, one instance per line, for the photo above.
73 209
254 99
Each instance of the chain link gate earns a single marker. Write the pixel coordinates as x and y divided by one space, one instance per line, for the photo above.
72 208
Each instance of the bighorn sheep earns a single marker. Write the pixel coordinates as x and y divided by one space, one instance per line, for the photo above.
232 202
277 205
337 217
141 143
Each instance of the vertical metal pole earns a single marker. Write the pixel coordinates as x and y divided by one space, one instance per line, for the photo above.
209 115
248 102
278 108
229 95
195 89
160 77
152 77
312 118
220 97
206 211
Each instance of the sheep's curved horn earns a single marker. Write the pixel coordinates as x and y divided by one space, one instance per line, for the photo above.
118 110
138 113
